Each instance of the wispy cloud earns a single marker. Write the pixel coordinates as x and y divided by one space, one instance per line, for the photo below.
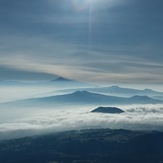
42 55
116 41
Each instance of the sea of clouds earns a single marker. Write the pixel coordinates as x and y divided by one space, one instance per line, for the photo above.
15 123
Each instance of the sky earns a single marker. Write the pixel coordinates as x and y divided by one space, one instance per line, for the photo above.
103 41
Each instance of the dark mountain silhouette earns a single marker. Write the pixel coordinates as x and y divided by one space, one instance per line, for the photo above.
82 98
86 146
111 110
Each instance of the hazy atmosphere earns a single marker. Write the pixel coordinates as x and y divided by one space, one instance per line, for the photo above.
36 121
100 41
81 81
60 59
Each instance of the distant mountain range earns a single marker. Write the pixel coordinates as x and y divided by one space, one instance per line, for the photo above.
83 98
119 91
116 90
90 95
69 86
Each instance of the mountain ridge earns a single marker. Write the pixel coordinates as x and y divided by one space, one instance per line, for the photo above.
118 91
83 98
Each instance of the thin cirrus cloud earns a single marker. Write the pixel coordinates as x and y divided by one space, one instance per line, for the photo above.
55 58
121 39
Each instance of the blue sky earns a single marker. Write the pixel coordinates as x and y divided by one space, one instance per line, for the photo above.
111 41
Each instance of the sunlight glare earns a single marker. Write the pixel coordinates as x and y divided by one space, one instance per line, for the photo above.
81 5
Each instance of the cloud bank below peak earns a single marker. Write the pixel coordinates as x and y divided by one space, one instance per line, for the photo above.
136 117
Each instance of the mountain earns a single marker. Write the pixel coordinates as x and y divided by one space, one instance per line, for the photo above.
116 91
82 98
86 146
68 83
86 97
126 92
111 110
61 79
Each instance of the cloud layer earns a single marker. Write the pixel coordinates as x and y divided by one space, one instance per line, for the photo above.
33 122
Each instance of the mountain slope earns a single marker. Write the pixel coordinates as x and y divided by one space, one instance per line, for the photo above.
95 98
89 146
116 91
82 98
128 92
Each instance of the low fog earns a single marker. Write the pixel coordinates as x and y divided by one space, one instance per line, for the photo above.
17 123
